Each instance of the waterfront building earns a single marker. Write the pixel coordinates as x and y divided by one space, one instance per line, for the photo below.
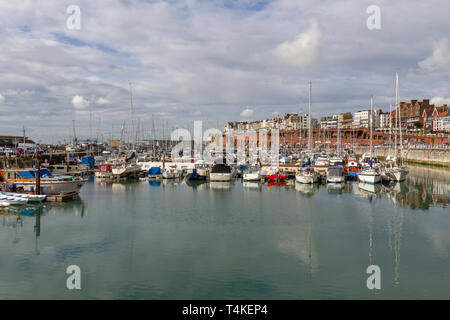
361 119
14 141
384 120
345 120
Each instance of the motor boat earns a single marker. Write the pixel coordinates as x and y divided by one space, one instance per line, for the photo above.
352 169
221 172
126 170
276 177
307 175
50 185
171 172
335 174
252 174
369 175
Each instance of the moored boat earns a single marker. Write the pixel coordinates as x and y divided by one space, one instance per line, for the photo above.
307 175
50 185
335 174
352 169
252 174
104 171
221 172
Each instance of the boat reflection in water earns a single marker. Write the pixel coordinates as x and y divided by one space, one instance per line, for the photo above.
251 185
220 185
335 188
197 184
306 189
369 189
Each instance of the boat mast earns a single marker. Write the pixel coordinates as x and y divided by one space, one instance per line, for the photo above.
399 117
371 133
309 120
397 110
132 116
390 125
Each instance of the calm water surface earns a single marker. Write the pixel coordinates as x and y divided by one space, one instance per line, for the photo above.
171 240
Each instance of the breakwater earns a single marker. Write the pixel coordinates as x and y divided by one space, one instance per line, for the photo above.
420 156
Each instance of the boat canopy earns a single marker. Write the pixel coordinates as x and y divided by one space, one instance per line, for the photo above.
221 168
31 174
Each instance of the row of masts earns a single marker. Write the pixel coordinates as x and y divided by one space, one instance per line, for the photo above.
339 143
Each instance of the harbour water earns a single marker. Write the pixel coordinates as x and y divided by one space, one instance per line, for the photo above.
172 240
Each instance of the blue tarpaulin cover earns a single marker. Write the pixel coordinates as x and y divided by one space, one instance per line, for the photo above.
154 170
88 160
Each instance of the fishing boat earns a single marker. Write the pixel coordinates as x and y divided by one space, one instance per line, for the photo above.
352 169
252 174
104 171
50 185
203 169
370 174
335 174
195 176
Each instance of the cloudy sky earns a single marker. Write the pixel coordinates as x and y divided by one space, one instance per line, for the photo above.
211 60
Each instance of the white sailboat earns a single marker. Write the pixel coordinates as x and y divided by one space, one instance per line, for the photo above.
307 175
394 169
369 174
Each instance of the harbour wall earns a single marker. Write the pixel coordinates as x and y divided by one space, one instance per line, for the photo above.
420 156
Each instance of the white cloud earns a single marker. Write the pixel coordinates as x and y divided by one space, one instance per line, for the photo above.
204 54
79 102
304 50
439 60
102 101
2 99
247 113
439 101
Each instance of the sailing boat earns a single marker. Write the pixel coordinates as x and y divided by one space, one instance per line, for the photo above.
128 168
307 174
369 174
394 169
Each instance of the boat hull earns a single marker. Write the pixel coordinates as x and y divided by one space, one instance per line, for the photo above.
54 187
336 179
306 179
252 177
220 176
369 178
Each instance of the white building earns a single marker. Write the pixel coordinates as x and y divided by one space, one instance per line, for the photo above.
361 119
384 120
442 124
